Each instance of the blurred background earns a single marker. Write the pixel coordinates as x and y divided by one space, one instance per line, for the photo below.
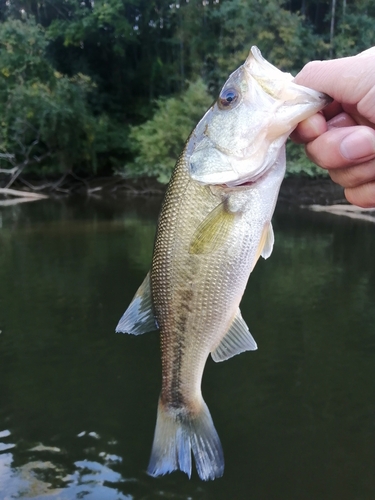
102 87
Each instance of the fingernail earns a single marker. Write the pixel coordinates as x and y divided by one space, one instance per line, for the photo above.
316 124
358 144
312 127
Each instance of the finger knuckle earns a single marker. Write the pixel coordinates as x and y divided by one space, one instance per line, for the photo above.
346 177
362 196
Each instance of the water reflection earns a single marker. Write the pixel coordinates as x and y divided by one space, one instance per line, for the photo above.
78 403
39 479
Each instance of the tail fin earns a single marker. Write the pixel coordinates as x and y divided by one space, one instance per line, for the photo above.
176 435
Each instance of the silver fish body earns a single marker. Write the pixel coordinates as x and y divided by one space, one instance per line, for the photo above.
214 224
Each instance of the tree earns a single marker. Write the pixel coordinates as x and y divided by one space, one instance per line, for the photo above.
77 76
44 113
158 142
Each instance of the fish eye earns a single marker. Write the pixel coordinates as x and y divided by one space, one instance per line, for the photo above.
228 98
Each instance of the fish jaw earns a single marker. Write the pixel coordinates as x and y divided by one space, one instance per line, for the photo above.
237 143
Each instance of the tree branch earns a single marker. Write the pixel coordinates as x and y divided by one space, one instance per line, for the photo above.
23 194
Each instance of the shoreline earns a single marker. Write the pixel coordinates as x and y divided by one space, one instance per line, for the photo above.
321 195
294 190
317 194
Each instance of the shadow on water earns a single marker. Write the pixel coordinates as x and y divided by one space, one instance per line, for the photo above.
78 402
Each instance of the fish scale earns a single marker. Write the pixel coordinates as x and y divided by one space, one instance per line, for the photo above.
214 224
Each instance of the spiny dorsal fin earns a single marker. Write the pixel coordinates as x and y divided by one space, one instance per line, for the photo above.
213 231
139 316
237 339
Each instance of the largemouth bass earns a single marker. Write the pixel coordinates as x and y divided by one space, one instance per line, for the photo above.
214 224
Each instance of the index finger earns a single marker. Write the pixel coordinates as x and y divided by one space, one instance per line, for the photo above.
349 80
309 129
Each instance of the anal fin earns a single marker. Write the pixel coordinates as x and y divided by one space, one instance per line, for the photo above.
139 316
237 339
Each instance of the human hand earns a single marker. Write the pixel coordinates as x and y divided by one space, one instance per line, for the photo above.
341 138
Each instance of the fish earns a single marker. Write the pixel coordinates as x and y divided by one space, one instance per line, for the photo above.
215 223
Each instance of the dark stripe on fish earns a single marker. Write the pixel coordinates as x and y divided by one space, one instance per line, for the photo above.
172 395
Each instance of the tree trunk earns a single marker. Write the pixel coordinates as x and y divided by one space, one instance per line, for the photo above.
332 29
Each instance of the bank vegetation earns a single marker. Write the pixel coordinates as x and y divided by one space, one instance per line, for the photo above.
95 88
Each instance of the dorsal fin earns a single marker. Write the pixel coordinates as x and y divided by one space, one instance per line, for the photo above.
237 339
139 316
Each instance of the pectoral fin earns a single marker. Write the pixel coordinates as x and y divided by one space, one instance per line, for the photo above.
139 317
265 246
269 240
237 339
213 231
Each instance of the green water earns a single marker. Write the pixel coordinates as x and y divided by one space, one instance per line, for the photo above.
78 402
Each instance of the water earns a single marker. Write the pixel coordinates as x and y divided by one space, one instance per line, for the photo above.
78 402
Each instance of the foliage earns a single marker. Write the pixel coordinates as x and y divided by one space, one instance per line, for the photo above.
285 38
158 142
355 34
299 164
76 77
43 112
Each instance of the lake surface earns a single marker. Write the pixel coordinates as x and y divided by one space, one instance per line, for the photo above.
78 402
